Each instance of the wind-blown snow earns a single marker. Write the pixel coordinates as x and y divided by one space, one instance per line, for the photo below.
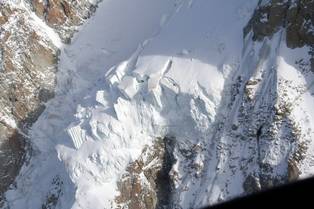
143 69
109 37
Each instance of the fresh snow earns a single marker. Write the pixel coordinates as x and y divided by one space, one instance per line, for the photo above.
109 37
144 69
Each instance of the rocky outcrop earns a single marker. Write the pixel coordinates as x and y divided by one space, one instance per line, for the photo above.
147 183
267 19
12 156
296 16
300 24
28 66
55 191
64 16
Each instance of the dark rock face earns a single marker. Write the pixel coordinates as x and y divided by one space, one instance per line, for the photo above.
63 15
267 19
251 185
55 191
296 16
147 182
300 22
11 158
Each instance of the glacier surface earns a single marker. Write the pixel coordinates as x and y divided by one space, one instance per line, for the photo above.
144 69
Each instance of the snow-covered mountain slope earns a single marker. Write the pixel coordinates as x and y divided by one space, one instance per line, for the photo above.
189 102
104 47
29 51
